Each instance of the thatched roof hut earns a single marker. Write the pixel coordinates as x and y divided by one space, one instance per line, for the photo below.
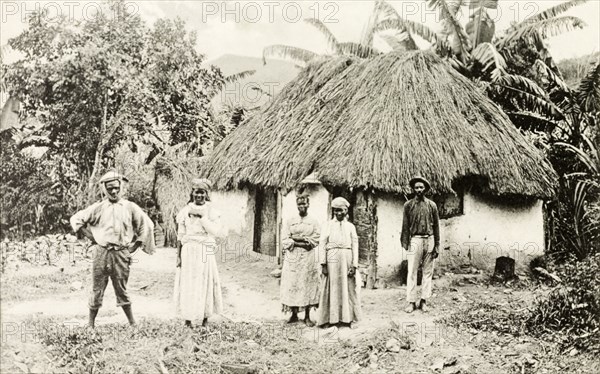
373 124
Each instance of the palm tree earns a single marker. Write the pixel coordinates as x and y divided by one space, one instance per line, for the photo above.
477 53
363 49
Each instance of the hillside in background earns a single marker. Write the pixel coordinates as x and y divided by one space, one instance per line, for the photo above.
254 90
574 69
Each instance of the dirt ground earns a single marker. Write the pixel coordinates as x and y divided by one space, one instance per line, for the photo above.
252 295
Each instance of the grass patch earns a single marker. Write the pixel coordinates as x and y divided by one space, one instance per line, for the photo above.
29 287
158 345
155 343
509 319
17 288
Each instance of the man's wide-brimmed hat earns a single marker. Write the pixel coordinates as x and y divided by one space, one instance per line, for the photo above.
113 175
416 179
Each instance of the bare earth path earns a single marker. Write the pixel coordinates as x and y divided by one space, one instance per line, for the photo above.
251 295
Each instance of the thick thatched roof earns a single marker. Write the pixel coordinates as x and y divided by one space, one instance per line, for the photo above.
374 124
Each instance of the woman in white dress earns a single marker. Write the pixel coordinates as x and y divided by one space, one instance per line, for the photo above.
197 293
340 285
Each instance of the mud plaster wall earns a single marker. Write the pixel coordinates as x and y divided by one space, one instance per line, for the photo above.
486 230
237 216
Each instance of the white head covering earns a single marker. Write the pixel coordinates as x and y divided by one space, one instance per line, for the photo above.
203 184
340 202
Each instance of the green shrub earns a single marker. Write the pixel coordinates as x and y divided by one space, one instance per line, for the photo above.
573 309
569 315
32 196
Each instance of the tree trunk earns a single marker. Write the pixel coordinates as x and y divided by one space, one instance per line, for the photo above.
365 220
91 190
372 210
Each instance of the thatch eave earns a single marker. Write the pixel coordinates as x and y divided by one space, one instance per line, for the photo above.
374 123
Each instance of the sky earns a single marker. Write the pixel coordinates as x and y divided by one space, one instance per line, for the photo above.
246 27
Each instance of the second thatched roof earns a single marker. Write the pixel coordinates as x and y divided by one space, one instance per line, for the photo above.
374 124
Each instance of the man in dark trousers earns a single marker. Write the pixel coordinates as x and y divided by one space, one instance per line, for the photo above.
421 240
117 228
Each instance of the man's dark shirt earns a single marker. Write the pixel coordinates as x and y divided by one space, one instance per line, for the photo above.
420 218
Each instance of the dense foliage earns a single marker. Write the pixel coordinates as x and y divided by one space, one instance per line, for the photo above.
109 80
43 205
90 87
569 315
572 308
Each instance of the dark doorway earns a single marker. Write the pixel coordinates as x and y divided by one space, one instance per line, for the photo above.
265 221
337 191
363 215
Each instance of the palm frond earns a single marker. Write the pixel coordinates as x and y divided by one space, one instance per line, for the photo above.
591 160
525 93
393 42
479 4
357 49
542 70
455 5
555 11
594 156
531 120
415 28
579 197
237 76
385 9
566 101
487 55
458 65
452 28
408 41
481 28
332 41
369 29
400 42
288 52
588 93
525 84
545 28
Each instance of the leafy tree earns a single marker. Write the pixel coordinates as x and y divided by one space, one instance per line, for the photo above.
109 80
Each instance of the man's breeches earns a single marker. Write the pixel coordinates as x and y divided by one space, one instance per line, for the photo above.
421 250
114 264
